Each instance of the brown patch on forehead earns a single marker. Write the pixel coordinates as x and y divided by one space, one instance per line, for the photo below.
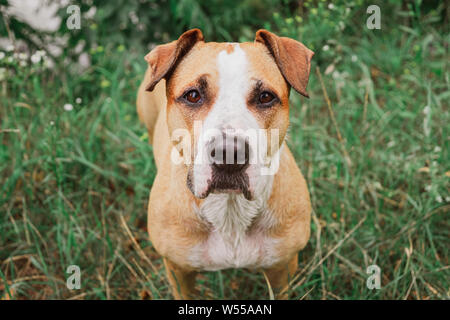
199 63
262 67
202 59
230 48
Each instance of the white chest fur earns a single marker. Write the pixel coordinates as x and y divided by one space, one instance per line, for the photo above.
238 238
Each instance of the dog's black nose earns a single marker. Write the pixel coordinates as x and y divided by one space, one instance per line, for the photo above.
235 157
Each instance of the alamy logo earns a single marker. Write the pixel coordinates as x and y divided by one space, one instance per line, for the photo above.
373 21
74 280
74 20
228 146
374 281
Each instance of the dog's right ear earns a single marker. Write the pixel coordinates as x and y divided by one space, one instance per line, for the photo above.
163 59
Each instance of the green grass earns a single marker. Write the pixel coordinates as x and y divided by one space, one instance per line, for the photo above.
75 184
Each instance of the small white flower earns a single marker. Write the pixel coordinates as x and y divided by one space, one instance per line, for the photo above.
91 13
40 53
2 55
354 58
437 149
426 109
391 144
23 63
326 47
68 107
78 100
52 123
133 17
447 199
10 47
439 199
23 56
35 58
428 187
47 62
331 6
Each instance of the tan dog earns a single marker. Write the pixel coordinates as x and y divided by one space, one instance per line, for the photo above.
230 198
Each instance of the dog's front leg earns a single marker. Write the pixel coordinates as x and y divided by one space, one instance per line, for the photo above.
182 281
279 277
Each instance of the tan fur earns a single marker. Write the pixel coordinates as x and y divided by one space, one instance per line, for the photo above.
173 226
150 103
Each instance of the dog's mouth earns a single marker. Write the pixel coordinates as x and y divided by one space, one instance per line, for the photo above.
225 182
225 172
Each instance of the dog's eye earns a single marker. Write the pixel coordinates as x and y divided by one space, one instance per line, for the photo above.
193 96
266 97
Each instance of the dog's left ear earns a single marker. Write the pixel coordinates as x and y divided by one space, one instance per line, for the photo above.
291 56
163 59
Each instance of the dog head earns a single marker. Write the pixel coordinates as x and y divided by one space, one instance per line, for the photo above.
228 106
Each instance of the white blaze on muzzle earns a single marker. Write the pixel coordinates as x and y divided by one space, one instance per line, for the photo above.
230 118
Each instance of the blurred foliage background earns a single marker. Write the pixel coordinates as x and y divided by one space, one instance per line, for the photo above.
372 142
146 22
